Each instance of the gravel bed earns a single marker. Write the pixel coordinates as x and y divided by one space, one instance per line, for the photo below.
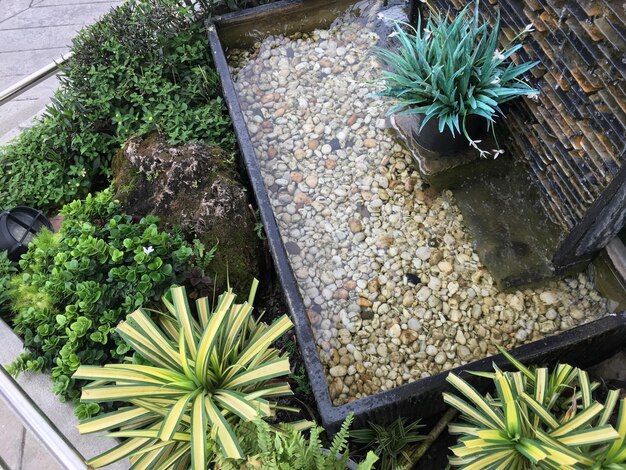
393 289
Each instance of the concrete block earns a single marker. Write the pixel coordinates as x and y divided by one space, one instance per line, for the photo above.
52 37
11 437
57 15
16 65
36 456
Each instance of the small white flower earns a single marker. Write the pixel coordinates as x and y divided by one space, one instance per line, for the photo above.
495 81
498 55
533 96
428 34
147 250
393 34
380 16
529 28
497 152
474 145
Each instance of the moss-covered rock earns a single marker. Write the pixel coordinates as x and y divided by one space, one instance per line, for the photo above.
192 186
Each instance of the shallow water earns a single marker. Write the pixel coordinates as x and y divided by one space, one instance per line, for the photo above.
393 288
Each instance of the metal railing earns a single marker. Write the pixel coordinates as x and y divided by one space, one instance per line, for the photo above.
17 400
38 423
33 79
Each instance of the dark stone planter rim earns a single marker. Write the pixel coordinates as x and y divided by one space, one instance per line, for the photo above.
421 397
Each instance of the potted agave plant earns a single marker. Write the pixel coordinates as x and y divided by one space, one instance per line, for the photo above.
453 77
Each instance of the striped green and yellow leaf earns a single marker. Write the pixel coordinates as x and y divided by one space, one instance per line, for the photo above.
537 419
209 370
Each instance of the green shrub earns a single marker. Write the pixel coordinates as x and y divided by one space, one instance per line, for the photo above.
287 448
7 269
207 8
203 377
145 66
76 285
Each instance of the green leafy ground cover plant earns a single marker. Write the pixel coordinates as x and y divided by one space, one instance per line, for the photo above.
390 442
451 69
145 66
204 373
286 447
76 285
7 270
537 419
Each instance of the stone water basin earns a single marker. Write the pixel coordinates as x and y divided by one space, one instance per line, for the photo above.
392 287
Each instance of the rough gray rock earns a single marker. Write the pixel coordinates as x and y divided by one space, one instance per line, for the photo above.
193 186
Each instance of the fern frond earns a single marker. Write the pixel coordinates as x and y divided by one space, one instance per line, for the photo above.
340 442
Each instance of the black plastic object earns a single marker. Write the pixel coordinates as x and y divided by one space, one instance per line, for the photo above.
18 227
581 346
444 143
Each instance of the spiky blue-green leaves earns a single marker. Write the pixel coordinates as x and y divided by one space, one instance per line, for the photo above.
451 69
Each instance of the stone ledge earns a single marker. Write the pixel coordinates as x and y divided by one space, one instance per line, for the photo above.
441 171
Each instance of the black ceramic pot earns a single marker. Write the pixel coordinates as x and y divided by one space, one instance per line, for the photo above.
444 143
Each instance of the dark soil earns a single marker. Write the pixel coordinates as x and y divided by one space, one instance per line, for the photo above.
270 305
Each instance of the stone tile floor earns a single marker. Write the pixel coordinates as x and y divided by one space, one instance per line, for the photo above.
34 33
19 448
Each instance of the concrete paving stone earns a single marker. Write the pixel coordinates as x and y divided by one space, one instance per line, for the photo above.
36 456
81 3
57 15
7 80
21 109
39 388
10 8
11 437
52 37
21 64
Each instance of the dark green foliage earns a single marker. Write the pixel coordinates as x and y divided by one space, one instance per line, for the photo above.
86 410
287 448
77 285
209 7
145 66
302 385
198 276
7 269
389 442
